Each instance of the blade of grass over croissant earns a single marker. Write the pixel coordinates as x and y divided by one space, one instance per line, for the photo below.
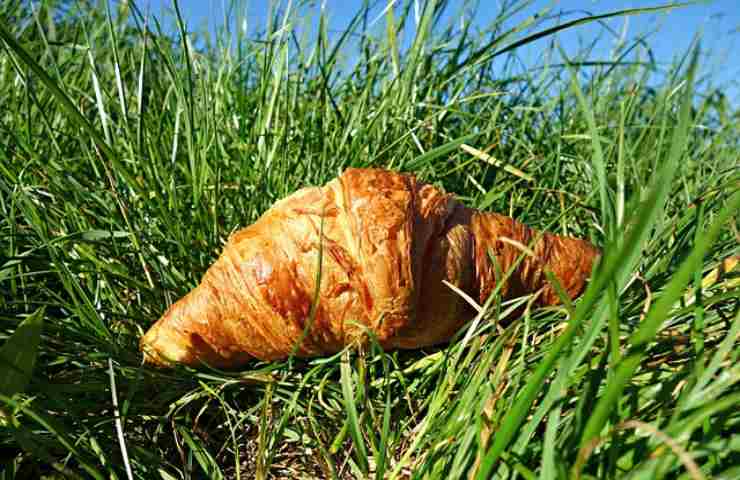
610 219
316 294
566 368
439 403
697 334
613 264
523 402
649 328
576 357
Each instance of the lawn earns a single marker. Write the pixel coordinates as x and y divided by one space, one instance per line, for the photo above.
129 151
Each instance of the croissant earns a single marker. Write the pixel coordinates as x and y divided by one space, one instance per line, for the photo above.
380 244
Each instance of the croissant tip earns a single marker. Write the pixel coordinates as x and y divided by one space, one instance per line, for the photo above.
161 349
165 346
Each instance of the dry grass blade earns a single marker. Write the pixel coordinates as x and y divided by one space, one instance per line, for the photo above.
493 161
117 421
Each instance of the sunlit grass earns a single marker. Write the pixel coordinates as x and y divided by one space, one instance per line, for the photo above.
128 156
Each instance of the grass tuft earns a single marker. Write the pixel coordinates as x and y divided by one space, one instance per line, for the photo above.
129 155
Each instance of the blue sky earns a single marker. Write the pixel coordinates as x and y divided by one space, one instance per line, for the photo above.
717 21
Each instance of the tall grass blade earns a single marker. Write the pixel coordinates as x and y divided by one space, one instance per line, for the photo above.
18 354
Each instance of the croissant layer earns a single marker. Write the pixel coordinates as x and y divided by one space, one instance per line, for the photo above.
367 255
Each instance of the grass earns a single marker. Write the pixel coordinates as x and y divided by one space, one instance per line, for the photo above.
129 155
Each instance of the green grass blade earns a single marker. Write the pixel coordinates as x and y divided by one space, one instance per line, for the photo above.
652 323
61 96
50 427
353 419
483 55
18 354
438 152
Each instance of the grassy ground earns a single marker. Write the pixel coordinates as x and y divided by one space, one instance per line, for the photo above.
127 157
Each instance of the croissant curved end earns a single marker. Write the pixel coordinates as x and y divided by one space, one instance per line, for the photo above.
163 347
169 341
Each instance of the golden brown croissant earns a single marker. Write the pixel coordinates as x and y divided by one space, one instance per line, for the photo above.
388 243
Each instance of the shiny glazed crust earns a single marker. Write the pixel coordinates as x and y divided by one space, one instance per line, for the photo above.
380 244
